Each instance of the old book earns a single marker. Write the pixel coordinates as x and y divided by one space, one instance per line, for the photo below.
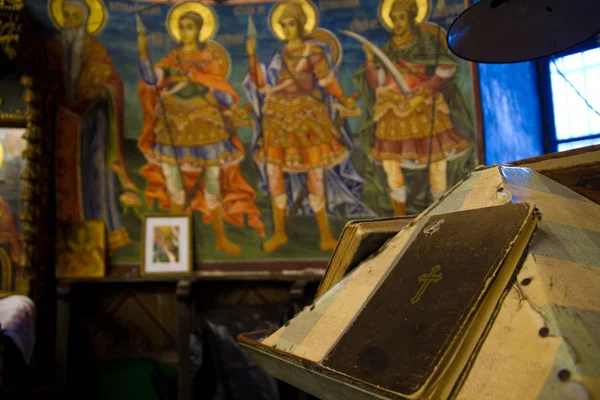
425 309
359 240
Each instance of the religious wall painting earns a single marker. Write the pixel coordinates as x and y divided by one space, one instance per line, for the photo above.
300 139
201 148
80 249
188 137
92 180
416 126
12 165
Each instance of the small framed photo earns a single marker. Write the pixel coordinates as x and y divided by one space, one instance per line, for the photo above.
167 241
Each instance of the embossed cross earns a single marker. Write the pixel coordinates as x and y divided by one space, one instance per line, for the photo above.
426 279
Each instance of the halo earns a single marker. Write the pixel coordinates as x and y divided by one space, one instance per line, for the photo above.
328 37
209 17
222 51
96 21
386 5
312 17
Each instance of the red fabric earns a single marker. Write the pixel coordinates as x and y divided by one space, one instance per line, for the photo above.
414 79
238 195
211 76
95 59
98 75
418 149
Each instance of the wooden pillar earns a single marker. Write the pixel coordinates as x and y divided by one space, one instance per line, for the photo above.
63 311
184 307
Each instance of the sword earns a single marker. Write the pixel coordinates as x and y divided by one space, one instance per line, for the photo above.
385 61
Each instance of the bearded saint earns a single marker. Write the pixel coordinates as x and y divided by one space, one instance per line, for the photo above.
89 134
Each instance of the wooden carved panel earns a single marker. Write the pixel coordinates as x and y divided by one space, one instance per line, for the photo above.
118 322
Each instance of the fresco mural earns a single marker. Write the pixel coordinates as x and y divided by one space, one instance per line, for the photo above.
12 165
272 122
90 163
188 136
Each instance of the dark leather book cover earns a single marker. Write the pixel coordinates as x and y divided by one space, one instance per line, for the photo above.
406 327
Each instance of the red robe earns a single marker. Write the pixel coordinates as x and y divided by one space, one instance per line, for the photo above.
237 195
98 80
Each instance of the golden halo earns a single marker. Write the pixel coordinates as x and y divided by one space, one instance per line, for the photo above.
223 55
96 21
324 35
312 17
386 5
210 24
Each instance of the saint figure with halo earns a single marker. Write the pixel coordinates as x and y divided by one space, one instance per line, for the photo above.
427 125
189 133
301 140
92 181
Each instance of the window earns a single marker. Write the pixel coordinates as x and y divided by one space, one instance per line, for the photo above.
574 120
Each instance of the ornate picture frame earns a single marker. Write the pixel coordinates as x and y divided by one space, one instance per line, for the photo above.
22 105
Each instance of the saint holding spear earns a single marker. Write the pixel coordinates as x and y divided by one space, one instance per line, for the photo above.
188 136
297 144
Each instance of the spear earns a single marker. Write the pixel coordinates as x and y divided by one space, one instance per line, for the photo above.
141 30
252 33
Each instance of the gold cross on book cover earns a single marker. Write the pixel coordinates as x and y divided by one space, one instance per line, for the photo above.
408 320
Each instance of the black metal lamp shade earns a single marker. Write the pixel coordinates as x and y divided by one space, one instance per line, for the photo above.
506 31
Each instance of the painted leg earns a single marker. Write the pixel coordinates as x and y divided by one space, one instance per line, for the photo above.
279 237
221 242
174 183
327 242
212 194
398 197
177 203
395 180
438 179
279 205
316 198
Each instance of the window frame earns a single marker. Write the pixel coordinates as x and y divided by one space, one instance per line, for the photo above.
545 91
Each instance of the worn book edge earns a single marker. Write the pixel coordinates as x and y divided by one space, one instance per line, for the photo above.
437 379
454 374
353 233
448 385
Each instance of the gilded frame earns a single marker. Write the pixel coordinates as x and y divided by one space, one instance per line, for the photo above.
34 176
190 246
